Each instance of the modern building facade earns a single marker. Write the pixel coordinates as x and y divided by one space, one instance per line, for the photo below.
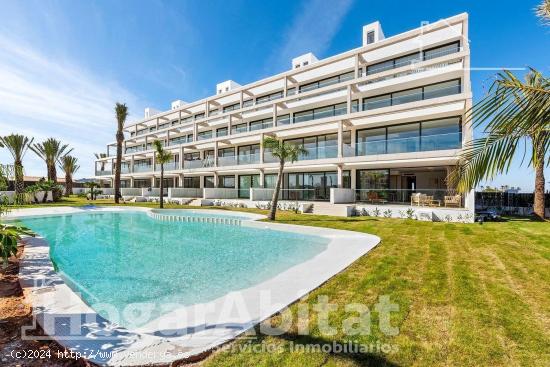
384 120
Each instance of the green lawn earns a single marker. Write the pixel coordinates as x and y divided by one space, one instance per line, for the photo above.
469 295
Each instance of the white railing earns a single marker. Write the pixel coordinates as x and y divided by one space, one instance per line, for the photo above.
130 191
220 193
184 192
153 191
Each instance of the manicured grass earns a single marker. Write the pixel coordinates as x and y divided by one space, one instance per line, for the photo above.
468 295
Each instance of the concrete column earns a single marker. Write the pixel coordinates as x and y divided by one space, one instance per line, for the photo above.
274 112
154 161
201 182
157 124
215 179
262 148
262 177
216 153
349 100
340 176
357 66
206 109
181 158
174 184
181 179
153 181
285 87
353 141
340 139
230 123
195 131
132 163
241 99
131 182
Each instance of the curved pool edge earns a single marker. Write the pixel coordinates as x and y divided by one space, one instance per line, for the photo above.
104 343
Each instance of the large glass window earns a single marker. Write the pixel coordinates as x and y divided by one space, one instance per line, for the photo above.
208 181
372 103
283 120
270 180
442 89
441 134
203 135
312 185
222 131
261 124
249 154
240 128
371 141
246 182
407 96
192 182
403 138
373 179
227 182
441 51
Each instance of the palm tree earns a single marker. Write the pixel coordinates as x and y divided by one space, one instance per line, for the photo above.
51 151
92 185
18 146
543 11
69 165
121 111
515 113
284 152
162 156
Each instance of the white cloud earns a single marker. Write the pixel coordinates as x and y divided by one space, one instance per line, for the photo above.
42 97
312 30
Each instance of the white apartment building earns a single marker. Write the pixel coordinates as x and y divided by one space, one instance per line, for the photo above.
381 122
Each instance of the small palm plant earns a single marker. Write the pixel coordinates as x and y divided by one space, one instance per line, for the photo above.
17 145
9 235
162 157
514 114
121 111
93 189
69 165
285 153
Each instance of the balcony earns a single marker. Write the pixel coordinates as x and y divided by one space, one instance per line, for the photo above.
249 158
104 172
170 166
405 145
143 168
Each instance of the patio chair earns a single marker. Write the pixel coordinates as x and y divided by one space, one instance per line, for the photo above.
374 198
453 200
417 199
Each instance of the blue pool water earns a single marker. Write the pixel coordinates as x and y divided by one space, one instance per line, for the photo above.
120 258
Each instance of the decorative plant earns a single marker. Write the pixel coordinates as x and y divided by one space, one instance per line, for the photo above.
410 213
387 213
93 189
9 235
376 212
285 153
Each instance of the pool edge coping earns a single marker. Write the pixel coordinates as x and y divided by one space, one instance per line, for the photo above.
41 295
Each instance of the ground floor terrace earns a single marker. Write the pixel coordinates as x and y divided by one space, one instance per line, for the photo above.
337 184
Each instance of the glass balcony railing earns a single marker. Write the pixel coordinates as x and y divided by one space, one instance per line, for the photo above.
249 158
104 172
143 168
170 166
417 197
371 104
227 161
319 152
405 145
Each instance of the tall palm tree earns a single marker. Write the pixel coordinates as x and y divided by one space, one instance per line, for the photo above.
285 153
162 157
69 165
121 111
51 151
515 114
17 145
543 11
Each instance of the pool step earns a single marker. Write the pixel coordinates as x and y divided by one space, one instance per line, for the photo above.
191 219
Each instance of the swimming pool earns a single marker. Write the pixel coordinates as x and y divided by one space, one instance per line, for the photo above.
122 258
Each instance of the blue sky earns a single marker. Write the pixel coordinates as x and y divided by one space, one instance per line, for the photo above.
63 64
